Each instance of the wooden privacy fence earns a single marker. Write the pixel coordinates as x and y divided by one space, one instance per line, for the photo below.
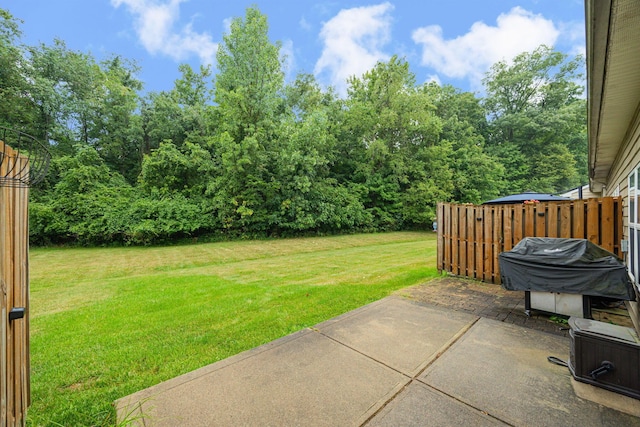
470 237
14 285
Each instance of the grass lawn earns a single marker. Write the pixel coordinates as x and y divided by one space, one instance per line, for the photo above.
106 322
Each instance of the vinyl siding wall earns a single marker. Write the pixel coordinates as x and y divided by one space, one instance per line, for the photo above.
627 160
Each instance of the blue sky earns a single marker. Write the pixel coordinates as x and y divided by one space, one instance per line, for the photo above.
451 41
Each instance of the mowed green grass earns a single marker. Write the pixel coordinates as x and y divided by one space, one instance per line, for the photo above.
106 322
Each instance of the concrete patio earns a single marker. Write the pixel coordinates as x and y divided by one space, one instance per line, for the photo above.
394 362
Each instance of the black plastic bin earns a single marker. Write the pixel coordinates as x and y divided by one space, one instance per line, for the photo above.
605 355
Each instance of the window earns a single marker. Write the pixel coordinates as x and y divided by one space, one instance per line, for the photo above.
634 226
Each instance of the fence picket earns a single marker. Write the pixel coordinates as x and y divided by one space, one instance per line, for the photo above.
507 226
486 244
479 249
552 218
541 221
592 221
470 241
518 225
530 225
497 241
455 239
463 244
565 220
578 220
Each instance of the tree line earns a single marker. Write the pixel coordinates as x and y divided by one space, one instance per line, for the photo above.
243 153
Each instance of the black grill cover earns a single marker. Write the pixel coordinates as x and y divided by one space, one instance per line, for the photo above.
574 266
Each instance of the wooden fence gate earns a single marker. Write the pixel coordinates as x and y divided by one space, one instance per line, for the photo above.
14 324
14 294
470 237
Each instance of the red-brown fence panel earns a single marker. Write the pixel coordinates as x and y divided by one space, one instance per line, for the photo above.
471 237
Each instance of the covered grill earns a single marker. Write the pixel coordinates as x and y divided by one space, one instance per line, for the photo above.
571 269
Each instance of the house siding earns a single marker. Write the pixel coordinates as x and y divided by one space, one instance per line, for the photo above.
627 160
586 193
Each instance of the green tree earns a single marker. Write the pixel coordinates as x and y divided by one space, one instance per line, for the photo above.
304 96
247 91
170 170
476 176
161 117
16 108
117 130
195 96
181 113
393 131
538 120
309 196
250 78
82 205
69 91
78 101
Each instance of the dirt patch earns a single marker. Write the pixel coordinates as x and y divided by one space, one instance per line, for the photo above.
494 302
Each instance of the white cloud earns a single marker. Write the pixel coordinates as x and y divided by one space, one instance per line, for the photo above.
304 24
353 41
472 54
155 23
573 33
287 57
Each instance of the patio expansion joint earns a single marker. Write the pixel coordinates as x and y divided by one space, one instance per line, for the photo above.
416 378
464 403
360 352
415 375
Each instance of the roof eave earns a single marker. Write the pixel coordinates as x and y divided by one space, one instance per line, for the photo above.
597 14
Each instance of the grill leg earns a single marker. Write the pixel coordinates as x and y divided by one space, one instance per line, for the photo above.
586 307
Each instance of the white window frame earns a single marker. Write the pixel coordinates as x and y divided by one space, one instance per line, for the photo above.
633 258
